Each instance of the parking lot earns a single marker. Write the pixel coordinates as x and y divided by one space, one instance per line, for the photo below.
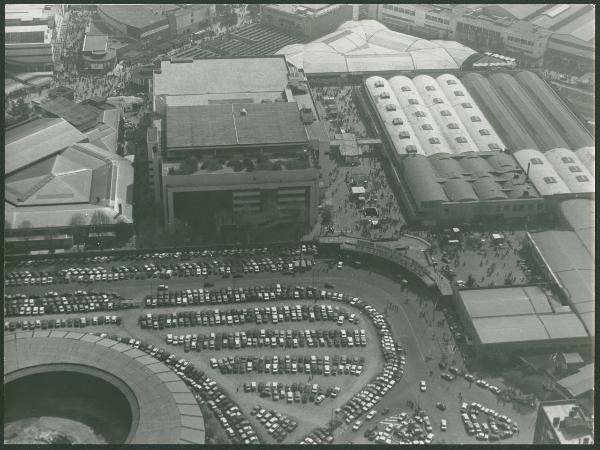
408 311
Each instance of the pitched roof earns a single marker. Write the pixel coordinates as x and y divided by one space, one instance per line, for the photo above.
77 115
36 140
580 382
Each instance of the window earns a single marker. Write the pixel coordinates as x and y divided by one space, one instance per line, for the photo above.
405 89
379 83
575 169
484 132
539 206
461 140
390 107
550 180
466 105
404 135
434 140
536 161
453 126
430 88
427 126
475 119
530 207
397 121
459 93
515 207
494 146
450 82
384 95
506 207
567 160
438 101
445 113
413 101
420 114
582 178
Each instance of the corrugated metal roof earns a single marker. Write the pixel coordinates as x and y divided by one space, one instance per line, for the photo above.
77 115
555 111
422 180
526 111
505 329
498 112
459 190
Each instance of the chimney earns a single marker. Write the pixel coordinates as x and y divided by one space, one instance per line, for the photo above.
528 167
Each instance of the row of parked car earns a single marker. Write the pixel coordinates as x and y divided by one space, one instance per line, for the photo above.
493 427
66 303
296 250
269 338
372 392
78 322
309 365
206 390
278 425
237 316
202 296
296 392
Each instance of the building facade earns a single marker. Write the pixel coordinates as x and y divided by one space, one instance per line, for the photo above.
534 34
310 20
191 18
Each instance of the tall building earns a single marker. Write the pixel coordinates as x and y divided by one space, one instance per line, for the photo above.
562 422
310 20
231 150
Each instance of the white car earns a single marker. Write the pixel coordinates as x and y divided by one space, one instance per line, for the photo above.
357 425
444 425
371 414
423 386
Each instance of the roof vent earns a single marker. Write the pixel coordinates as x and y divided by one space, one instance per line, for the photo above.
556 422
244 112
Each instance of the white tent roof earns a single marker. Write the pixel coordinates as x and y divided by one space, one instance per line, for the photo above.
357 46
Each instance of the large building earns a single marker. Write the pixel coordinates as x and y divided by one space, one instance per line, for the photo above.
535 33
520 320
309 19
29 35
562 422
369 47
232 150
566 256
57 182
156 20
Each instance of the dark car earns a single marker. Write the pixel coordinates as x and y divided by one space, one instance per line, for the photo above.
447 376
441 406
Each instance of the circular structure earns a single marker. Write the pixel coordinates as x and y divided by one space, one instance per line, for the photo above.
147 394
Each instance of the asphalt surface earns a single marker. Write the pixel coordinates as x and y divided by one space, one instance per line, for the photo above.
420 336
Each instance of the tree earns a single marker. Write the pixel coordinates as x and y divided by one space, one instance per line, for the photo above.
211 165
230 18
100 218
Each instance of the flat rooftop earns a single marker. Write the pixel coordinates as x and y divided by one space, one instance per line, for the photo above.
221 76
223 125
95 43
561 410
